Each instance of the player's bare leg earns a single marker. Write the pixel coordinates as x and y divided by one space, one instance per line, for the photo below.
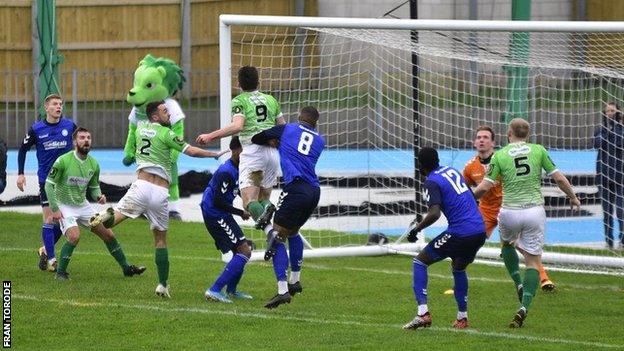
251 195
114 248
161 257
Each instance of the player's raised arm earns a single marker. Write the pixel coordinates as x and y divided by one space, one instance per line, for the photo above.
194 151
237 125
265 137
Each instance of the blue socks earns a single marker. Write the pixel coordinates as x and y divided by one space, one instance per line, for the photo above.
50 235
47 236
420 281
231 274
295 244
280 262
461 290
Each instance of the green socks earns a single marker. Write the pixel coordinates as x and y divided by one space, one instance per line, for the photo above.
256 209
162 264
531 281
265 203
512 263
115 250
66 253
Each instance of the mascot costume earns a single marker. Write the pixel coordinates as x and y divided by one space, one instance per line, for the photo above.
157 79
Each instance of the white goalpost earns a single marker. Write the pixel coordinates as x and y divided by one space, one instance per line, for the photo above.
386 87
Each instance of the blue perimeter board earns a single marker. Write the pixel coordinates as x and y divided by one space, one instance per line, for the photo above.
336 162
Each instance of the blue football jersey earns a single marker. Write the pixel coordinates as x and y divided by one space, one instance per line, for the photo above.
299 148
446 187
51 141
222 189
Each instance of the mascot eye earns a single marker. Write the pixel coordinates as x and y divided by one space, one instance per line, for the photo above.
149 86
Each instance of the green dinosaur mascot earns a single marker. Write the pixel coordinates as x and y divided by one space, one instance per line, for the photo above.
157 79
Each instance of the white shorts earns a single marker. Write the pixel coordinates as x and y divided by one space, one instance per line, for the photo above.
146 198
75 215
258 158
524 226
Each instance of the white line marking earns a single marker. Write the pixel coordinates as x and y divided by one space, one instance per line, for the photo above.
337 268
267 316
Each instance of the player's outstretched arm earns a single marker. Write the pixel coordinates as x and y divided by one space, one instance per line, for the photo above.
433 214
564 184
194 151
483 187
237 125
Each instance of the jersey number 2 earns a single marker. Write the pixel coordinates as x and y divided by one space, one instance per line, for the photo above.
305 142
144 150
455 179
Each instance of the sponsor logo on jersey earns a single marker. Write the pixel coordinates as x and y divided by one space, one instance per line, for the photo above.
54 144
517 151
43 136
150 133
79 181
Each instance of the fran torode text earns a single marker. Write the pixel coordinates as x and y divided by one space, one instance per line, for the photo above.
6 314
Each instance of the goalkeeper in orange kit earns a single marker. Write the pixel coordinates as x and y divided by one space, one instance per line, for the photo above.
490 204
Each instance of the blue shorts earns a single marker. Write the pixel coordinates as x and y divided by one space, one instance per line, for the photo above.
296 204
456 247
226 233
43 197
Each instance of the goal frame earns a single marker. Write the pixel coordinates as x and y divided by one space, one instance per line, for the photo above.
225 87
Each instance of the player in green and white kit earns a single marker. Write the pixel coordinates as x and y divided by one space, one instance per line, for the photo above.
252 113
71 176
149 193
522 217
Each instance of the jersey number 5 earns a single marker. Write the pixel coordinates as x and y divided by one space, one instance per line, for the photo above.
455 179
522 168
305 142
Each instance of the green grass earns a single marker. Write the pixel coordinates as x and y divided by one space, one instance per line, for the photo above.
347 304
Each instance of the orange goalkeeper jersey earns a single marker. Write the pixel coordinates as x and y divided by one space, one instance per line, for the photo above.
491 202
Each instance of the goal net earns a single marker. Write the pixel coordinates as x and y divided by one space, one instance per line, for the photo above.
382 93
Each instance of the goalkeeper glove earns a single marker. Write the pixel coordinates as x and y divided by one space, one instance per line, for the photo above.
413 234
127 161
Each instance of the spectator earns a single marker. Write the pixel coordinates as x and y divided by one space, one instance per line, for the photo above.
3 164
609 141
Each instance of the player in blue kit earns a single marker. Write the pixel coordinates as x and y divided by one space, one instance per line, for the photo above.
299 146
52 137
217 211
446 192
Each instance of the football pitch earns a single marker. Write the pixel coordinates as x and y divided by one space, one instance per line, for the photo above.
355 303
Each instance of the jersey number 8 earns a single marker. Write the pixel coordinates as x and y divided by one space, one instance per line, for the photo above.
305 142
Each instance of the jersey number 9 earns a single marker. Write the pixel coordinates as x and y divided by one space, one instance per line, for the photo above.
261 112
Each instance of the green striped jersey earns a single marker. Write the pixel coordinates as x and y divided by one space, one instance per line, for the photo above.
520 168
260 111
154 143
72 176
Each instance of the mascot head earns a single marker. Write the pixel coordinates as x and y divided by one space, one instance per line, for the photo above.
155 79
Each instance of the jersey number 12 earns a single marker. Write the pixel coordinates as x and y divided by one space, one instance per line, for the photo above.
455 179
